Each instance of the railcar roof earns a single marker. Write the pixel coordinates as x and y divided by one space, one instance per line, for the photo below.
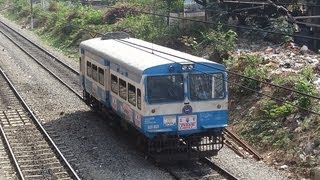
130 53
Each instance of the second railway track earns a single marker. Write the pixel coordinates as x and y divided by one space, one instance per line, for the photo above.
32 152
60 70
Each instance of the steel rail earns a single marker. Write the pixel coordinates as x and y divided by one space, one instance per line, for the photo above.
42 49
34 58
16 164
243 144
219 169
41 128
234 148
206 160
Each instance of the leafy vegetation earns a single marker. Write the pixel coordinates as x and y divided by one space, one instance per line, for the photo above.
65 25
119 12
269 124
282 127
250 66
282 26
220 42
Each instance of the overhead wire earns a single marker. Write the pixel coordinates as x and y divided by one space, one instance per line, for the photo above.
253 90
230 72
134 45
230 25
277 3
223 24
240 75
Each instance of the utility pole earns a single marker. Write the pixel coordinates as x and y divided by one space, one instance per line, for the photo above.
31 2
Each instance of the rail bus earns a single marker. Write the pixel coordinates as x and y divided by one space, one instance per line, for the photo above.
176 101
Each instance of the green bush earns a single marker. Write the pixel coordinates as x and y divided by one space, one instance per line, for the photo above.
305 85
220 42
53 6
249 86
20 9
250 66
119 12
149 28
272 110
280 25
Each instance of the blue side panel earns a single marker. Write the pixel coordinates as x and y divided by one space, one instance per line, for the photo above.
181 124
213 119
175 124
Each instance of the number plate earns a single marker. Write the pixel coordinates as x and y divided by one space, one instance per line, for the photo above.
187 122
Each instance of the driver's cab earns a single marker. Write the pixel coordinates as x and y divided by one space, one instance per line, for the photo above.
165 88
172 88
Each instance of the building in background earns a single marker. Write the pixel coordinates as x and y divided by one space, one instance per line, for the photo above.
191 10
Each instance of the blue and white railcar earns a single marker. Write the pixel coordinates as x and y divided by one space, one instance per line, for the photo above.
179 102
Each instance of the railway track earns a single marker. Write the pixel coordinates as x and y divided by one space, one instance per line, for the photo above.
31 150
239 146
202 169
70 80
52 64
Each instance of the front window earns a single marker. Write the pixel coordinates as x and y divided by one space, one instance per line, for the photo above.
161 89
206 86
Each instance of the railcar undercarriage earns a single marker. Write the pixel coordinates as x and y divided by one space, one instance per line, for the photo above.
164 148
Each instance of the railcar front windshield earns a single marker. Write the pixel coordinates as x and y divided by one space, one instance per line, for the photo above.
206 86
163 89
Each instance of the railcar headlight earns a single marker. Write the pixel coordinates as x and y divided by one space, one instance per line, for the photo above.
184 67
190 67
187 67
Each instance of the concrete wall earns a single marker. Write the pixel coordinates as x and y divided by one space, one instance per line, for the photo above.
200 16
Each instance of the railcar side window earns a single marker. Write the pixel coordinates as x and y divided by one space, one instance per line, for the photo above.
122 89
218 85
114 84
161 89
101 76
139 98
132 94
89 70
206 86
94 72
